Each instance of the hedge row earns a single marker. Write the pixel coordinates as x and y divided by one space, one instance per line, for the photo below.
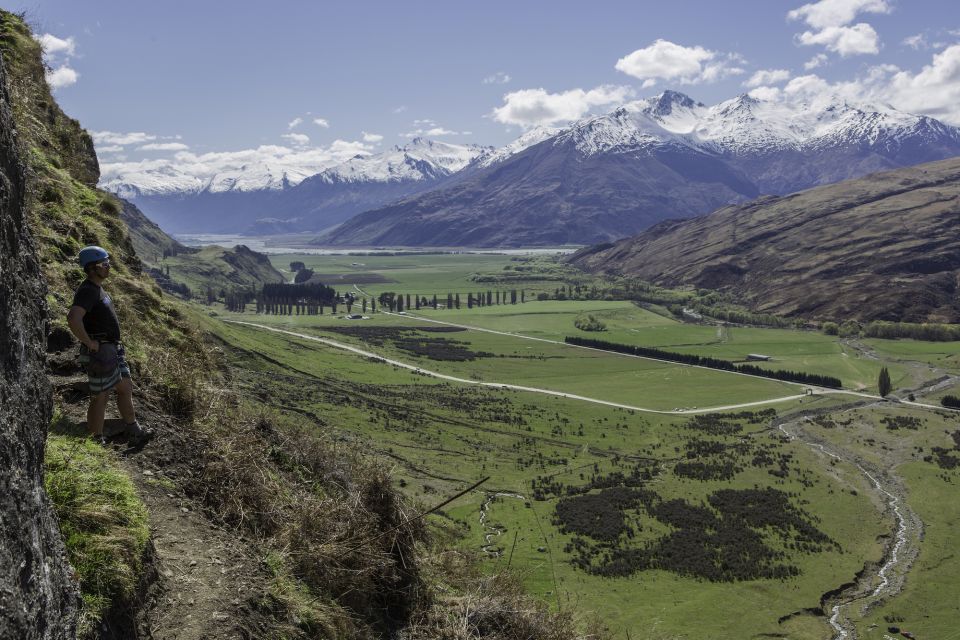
703 361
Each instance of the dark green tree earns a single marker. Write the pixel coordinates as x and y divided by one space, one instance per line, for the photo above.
883 383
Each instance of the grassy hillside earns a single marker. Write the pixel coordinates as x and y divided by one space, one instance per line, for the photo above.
311 525
879 247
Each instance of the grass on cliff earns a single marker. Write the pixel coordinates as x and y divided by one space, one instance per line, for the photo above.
102 519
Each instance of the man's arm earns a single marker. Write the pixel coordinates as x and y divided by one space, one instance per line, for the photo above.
75 322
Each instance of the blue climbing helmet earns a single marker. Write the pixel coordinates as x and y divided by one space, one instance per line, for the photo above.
92 254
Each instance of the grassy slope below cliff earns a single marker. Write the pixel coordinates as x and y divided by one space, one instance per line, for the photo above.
306 516
880 247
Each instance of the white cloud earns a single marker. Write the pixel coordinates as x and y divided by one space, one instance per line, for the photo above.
830 19
296 122
205 166
808 86
816 61
112 137
847 41
54 46
372 137
766 93
321 122
934 90
298 139
665 60
432 133
110 148
426 122
532 107
767 77
400 109
56 55
163 146
836 13
61 77
916 42
497 78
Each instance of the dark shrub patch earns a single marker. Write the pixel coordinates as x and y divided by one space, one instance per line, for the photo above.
409 339
598 515
722 541
901 422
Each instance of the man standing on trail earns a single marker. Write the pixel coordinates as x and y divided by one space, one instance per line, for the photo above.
93 321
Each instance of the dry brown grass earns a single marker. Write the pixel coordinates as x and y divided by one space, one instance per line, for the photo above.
494 607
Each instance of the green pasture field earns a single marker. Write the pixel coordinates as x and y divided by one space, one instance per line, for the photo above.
636 382
660 604
442 436
424 274
627 323
439 448
945 355
927 606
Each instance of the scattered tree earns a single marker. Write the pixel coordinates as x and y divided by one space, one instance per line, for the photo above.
883 383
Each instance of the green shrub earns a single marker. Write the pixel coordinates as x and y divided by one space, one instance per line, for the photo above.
589 322
103 522
849 329
831 328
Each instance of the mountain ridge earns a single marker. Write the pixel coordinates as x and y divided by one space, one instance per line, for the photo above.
294 200
664 157
841 251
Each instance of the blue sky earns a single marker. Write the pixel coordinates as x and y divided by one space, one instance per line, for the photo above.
157 79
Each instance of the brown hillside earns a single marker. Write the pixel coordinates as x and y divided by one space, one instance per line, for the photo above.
886 246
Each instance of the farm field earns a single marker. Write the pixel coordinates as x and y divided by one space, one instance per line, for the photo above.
945 355
633 381
666 525
517 437
627 323
425 274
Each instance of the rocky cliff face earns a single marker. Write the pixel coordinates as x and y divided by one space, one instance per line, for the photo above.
38 598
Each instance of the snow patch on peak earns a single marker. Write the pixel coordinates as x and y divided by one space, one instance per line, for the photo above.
419 159
628 127
529 138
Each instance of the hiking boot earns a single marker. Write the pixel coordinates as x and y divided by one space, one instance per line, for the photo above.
100 439
137 434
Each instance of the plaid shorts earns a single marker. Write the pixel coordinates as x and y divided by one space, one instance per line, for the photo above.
104 382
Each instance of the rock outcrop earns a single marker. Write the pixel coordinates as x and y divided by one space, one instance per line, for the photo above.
38 597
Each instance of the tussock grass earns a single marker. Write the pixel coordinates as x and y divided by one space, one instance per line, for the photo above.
102 519
475 605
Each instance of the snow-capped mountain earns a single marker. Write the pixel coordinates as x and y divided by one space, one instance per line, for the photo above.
419 160
602 177
172 181
367 182
668 156
529 138
288 197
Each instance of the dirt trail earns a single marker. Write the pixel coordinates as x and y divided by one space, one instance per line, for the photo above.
201 581
206 576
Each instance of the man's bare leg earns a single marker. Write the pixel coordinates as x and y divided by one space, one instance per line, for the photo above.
125 401
95 412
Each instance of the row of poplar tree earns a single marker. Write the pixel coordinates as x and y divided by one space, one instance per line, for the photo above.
311 299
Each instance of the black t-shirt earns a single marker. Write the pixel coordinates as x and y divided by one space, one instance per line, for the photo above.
100 322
